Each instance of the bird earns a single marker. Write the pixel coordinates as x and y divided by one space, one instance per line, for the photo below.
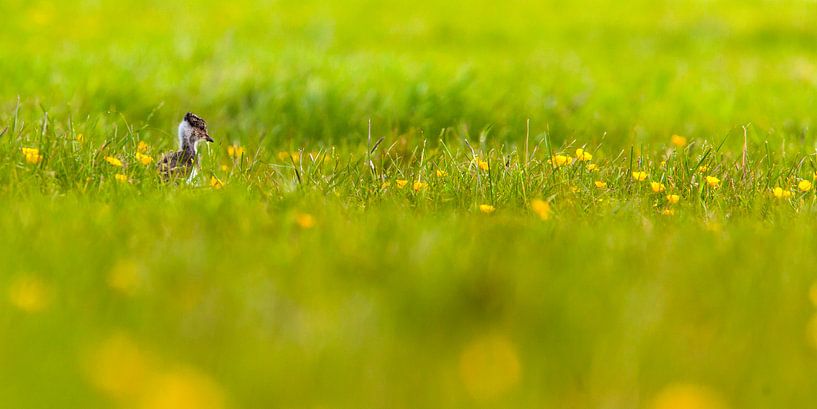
185 161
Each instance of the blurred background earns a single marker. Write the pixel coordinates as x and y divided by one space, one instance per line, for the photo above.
316 71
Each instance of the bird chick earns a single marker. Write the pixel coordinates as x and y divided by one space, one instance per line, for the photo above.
185 161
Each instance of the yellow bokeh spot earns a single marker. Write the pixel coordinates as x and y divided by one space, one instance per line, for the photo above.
29 294
489 367
678 140
305 220
119 368
184 389
124 277
688 396
812 294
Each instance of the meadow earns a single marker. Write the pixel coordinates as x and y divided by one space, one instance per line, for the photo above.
588 204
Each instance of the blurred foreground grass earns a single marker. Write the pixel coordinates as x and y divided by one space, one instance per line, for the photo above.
641 271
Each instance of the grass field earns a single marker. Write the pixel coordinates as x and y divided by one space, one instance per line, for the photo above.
588 204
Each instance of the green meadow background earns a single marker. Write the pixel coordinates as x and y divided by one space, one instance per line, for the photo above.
291 276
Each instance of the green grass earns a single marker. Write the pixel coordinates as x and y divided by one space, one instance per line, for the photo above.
316 270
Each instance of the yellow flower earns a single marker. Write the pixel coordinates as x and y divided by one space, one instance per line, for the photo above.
640 176
482 164
678 140
560 160
486 208
385 184
593 167
419 186
582 155
600 184
673 199
687 396
305 220
779 193
142 147
703 169
668 212
235 151
657 187
113 161
441 173
713 182
401 183
29 294
489 367
32 155
224 168
144 159
120 177
216 183
541 208
80 138
804 185
287 156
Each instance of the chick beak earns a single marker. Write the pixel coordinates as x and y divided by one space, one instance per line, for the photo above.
208 138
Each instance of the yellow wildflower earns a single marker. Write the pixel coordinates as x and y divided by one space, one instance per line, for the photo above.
236 151
142 147
593 167
482 164
32 155
120 177
779 193
640 176
304 220
216 183
713 182
583 155
560 160
688 396
80 138
224 168
600 184
703 169
385 184
29 294
678 140
486 208
668 212
441 173
657 187
804 185
418 186
401 183
541 208
673 199
286 156
144 159
113 161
